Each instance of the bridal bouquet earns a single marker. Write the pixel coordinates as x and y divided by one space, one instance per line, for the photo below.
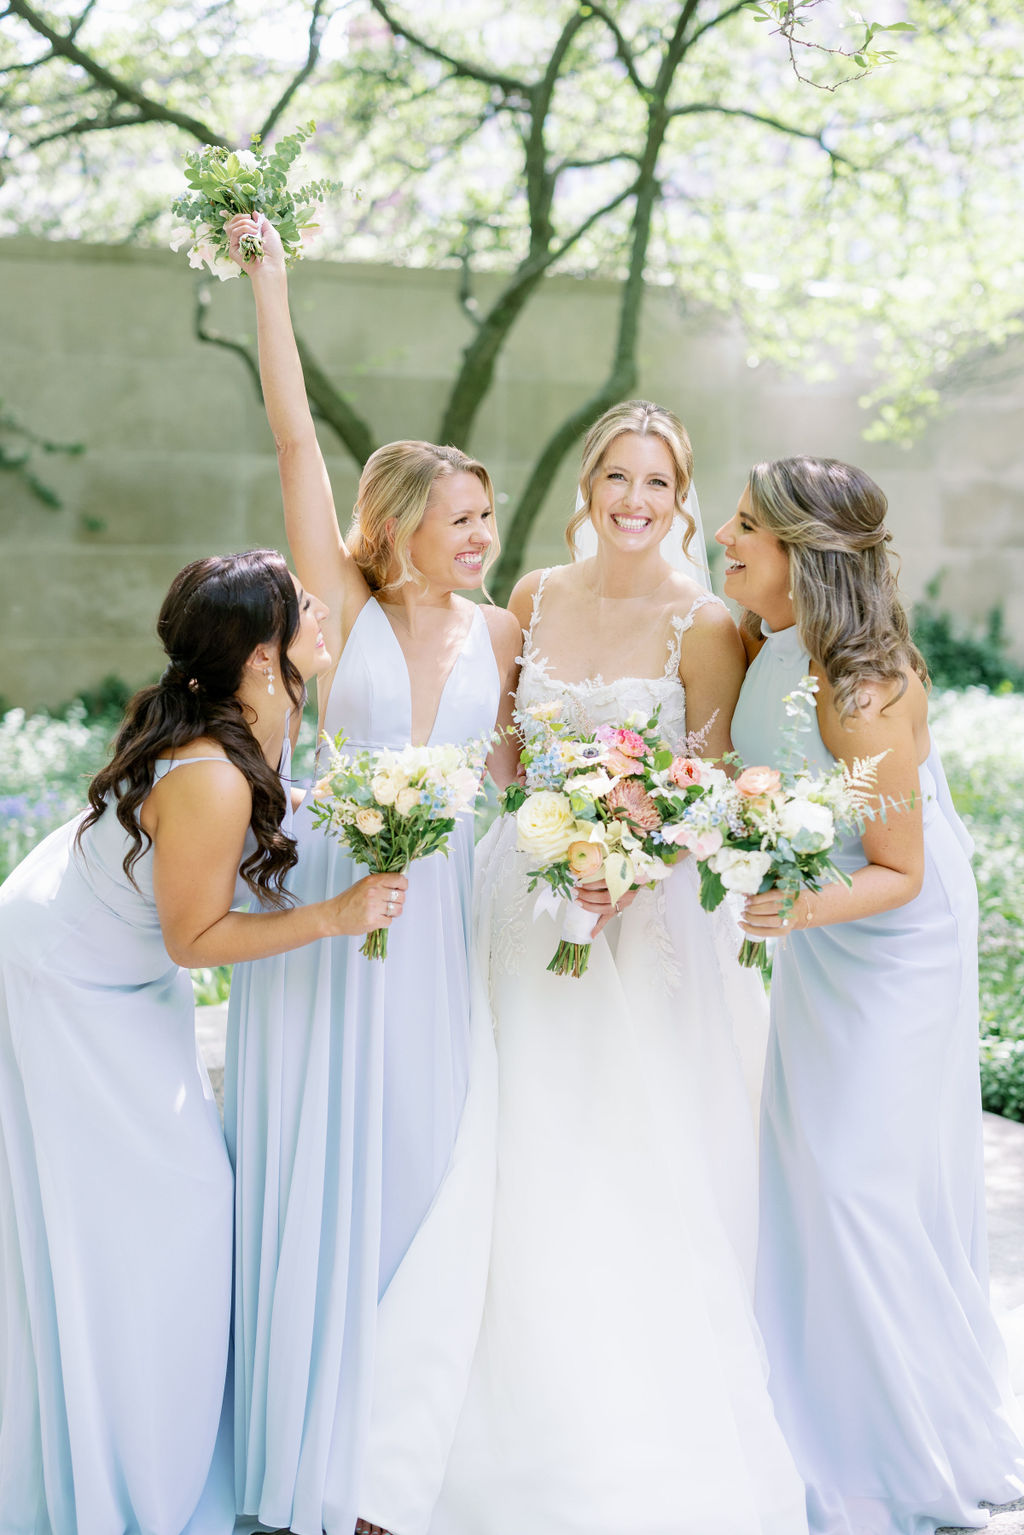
389 807
594 808
765 829
224 182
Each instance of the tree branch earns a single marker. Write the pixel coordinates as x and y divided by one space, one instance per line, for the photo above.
462 67
622 49
768 122
87 125
716 21
317 27
152 111
214 338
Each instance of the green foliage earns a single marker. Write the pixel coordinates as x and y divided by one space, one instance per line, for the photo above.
211 985
958 657
1002 1076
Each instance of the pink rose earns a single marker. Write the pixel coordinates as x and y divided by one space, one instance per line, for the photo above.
584 858
684 771
700 843
631 744
756 782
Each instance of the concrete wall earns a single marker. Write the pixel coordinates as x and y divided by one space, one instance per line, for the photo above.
97 345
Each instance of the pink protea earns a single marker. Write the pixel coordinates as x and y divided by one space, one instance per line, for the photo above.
634 799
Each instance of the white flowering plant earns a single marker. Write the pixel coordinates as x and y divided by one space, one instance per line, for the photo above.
389 807
224 182
598 807
764 829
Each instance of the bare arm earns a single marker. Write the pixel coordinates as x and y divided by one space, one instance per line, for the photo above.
507 640
712 665
198 817
322 562
894 847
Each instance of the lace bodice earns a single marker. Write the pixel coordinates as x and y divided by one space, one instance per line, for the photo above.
593 702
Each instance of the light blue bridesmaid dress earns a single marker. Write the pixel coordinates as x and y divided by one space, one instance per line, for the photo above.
115 1210
348 1095
886 1366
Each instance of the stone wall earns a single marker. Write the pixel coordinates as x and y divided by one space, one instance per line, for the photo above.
98 346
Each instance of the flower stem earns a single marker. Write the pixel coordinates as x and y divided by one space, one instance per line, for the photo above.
570 959
754 955
375 944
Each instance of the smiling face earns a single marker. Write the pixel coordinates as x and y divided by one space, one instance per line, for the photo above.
451 543
632 493
757 566
307 651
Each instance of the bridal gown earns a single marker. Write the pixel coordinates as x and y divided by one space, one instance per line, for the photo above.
115 1210
618 1381
886 1367
358 1098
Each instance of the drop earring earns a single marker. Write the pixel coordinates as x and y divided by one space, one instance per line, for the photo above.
270 680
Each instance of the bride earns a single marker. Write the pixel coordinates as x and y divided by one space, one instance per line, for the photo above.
618 1381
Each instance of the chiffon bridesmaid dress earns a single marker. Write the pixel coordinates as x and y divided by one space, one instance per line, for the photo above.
115 1210
886 1366
358 1100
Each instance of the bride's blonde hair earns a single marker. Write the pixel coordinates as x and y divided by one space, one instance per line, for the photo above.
643 419
395 487
830 518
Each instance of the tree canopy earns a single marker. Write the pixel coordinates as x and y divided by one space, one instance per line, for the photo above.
759 159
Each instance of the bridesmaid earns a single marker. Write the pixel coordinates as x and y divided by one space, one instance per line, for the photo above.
353 1088
115 1186
887 1369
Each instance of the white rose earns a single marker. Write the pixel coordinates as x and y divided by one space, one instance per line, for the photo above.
385 787
546 825
369 822
741 870
592 785
807 826
407 799
465 786
246 159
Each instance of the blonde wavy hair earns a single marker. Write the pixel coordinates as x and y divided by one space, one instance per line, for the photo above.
643 419
395 487
830 518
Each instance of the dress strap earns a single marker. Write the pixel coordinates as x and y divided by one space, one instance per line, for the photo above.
535 613
679 625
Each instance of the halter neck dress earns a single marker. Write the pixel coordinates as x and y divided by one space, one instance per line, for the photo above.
353 1092
887 1369
115 1208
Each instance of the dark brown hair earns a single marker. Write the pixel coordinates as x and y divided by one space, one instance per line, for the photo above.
216 613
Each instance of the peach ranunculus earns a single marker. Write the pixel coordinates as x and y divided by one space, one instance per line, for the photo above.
684 771
585 859
618 763
636 802
756 782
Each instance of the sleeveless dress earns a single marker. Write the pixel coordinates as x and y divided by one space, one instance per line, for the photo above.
872 1291
115 1210
358 1099
619 1382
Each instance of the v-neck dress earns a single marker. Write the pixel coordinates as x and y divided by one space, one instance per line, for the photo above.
345 1092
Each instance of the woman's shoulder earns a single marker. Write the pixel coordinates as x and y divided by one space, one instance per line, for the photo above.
503 626
524 593
694 610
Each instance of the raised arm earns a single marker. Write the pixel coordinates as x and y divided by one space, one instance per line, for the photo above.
322 562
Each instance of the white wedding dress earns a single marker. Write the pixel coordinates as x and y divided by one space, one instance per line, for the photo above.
619 1379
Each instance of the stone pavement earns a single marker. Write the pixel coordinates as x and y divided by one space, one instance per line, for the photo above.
1004 1181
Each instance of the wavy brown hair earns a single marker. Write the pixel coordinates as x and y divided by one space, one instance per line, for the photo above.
395 488
216 613
830 518
644 419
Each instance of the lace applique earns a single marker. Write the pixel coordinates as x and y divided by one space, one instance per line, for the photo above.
650 908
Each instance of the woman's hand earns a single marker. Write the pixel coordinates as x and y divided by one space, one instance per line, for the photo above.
257 224
369 904
597 897
763 916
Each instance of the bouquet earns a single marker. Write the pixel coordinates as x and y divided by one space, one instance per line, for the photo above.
389 807
224 182
766 829
597 807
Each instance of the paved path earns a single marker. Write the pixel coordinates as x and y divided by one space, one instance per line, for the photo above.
1004 1178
